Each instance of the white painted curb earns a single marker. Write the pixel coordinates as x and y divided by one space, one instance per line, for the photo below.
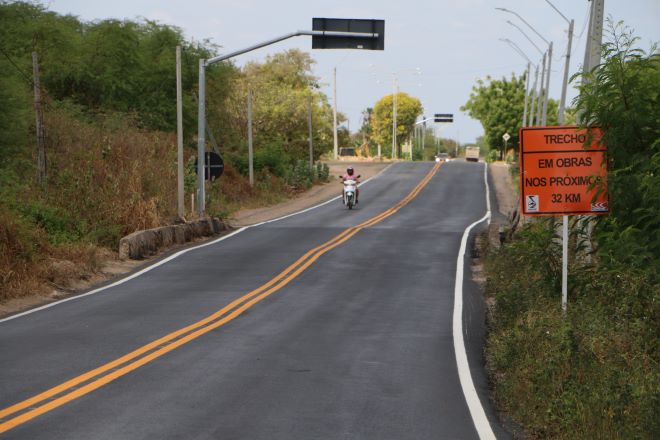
477 412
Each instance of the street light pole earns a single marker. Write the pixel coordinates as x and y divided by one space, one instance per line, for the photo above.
529 65
542 95
547 87
527 73
564 86
539 98
334 112
544 112
201 105
530 122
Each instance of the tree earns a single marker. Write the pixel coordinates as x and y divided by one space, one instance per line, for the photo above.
621 96
365 129
499 106
282 87
408 109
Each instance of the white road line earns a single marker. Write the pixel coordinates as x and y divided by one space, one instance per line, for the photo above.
472 398
176 255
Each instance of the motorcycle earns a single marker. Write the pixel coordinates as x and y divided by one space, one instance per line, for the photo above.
350 192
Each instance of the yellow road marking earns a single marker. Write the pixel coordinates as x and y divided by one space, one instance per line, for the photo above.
194 330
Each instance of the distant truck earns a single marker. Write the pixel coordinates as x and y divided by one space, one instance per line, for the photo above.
472 154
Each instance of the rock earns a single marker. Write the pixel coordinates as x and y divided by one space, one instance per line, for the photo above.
142 244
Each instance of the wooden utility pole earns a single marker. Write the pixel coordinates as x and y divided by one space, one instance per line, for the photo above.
311 137
249 127
179 138
41 148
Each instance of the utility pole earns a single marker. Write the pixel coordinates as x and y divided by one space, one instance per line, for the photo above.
334 112
249 127
179 138
595 36
592 56
394 99
41 147
311 138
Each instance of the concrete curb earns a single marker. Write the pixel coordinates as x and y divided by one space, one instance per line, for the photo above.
145 243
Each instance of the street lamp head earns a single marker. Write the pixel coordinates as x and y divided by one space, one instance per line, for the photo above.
503 9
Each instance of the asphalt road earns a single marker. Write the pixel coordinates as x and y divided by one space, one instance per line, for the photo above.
356 344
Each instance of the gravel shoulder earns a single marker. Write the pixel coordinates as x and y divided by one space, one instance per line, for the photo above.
505 191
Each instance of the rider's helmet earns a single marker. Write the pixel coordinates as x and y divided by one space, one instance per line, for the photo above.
349 171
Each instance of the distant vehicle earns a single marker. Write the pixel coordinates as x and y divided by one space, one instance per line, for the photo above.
472 154
441 157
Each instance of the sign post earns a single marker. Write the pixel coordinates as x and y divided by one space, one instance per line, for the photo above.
506 137
563 171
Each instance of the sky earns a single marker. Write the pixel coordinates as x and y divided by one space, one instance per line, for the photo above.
436 49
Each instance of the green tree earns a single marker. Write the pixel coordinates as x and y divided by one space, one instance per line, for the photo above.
621 96
366 130
499 105
282 87
408 109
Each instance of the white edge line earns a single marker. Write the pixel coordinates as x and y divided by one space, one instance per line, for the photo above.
477 411
176 255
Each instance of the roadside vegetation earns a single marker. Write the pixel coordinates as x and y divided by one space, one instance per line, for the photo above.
109 110
593 372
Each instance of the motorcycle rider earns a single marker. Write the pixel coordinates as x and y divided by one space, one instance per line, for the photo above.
350 175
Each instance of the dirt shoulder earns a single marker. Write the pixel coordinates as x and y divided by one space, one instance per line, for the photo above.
505 190
74 280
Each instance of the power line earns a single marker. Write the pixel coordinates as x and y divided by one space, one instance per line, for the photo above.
26 76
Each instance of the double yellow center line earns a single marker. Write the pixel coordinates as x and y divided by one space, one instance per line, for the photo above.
59 395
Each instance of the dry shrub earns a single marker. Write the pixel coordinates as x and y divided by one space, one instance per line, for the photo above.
20 253
112 175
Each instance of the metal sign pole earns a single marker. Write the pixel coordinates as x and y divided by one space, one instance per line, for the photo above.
378 37
564 263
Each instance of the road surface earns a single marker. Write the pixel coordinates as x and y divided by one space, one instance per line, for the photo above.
325 325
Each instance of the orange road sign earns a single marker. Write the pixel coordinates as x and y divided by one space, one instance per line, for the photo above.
563 170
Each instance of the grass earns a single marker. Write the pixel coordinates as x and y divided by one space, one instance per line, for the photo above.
591 373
